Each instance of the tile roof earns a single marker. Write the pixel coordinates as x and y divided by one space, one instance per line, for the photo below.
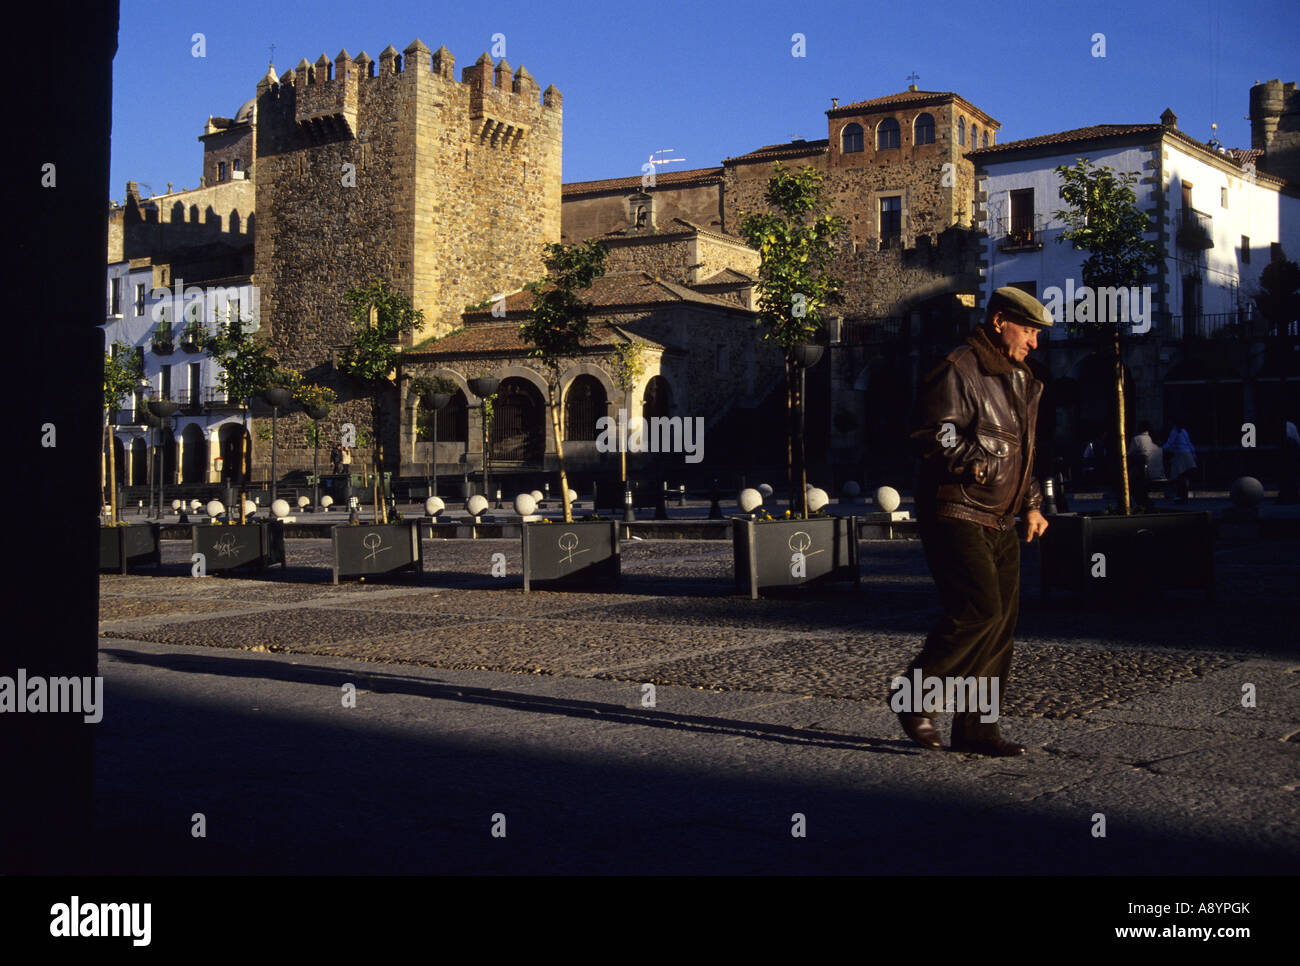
673 228
796 148
503 337
662 178
610 292
728 276
890 100
1093 132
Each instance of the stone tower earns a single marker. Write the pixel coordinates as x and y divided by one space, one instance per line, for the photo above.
1275 128
447 189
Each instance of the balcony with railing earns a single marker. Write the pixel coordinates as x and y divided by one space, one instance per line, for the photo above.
1240 326
1020 233
1195 229
215 398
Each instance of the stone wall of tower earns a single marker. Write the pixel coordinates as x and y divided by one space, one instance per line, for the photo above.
1275 127
452 191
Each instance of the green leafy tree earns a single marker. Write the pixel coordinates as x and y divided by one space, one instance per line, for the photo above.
560 322
797 243
247 368
1279 294
122 373
628 370
380 315
1104 220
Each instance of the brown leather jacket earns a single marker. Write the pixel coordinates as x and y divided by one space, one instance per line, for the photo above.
991 404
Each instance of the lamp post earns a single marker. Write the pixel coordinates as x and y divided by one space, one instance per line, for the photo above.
805 356
484 386
435 401
277 396
316 414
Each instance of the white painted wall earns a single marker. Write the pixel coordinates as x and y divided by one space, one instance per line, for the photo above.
1258 211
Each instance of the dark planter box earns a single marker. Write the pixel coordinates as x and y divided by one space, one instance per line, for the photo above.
120 547
227 547
580 551
374 550
764 552
1144 553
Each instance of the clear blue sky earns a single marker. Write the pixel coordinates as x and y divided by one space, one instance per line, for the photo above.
714 78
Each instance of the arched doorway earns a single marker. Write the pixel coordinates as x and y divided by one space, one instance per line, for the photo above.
518 428
194 455
658 398
119 458
228 442
584 404
139 462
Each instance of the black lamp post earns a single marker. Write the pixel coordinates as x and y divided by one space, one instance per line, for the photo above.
436 401
277 396
805 355
484 386
316 414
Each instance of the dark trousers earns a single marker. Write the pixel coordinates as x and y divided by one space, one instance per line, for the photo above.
977 572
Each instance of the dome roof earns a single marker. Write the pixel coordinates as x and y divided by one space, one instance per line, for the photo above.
245 112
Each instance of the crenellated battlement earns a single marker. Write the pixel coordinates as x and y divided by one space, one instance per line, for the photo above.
326 93
449 188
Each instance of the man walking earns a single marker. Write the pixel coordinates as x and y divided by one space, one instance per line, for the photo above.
976 415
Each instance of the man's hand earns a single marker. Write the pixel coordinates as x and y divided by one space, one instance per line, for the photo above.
1037 523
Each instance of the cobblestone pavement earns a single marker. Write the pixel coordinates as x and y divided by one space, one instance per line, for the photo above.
475 700
676 619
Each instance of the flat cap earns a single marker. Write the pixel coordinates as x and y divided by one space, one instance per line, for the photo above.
1018 302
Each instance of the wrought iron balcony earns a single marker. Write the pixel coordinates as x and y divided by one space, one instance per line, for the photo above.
1020 232
1239 326
1195 229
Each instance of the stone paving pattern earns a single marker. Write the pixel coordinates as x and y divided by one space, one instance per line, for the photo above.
676 619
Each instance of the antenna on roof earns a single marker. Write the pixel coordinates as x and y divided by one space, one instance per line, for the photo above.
654 160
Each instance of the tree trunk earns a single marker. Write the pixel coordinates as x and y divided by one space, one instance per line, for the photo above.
112 472
243 464
557 425
1121 443
789 433
381 503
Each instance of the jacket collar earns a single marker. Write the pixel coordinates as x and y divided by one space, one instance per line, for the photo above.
990 358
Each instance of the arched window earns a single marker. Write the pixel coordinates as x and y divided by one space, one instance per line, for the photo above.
986 139
924 129
658 398
518 429
851 139
887 135
961 131
974 135
453 421
584 403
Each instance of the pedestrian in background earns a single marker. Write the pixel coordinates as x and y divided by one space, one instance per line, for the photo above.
1288 490
1181 454
1146 464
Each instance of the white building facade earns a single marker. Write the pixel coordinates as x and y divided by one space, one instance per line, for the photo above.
162 320
1198 351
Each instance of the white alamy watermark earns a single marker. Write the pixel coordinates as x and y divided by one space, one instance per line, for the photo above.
1086 304
931 695
658 434
23 694
76 919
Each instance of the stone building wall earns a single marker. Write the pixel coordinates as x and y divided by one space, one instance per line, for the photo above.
457 188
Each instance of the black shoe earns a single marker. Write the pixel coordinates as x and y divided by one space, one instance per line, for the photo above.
921 730
993 747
